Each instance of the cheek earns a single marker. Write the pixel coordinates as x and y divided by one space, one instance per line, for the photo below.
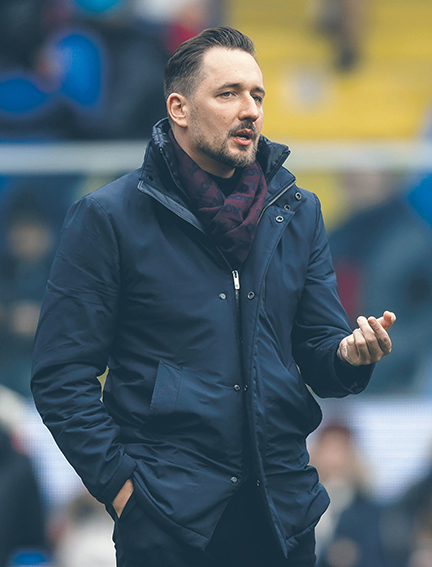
213 124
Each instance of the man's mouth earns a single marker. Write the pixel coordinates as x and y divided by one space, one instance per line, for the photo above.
244 137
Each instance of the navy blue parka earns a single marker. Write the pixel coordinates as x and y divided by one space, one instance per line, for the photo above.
208 367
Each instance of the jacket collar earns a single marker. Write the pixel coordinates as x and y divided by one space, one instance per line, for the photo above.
159 177
270 156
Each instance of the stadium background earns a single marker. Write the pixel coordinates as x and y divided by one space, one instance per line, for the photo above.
349 86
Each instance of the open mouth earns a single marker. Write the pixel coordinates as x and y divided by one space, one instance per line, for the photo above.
244 137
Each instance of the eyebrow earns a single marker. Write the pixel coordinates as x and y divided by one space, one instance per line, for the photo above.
238 85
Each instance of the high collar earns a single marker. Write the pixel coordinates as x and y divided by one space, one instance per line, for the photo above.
159 176
270 156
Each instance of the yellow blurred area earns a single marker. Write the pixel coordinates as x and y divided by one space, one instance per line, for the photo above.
326 184
387 95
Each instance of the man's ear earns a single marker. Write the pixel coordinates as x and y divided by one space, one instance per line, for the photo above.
177 107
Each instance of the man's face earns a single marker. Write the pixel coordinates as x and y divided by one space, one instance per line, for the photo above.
225 112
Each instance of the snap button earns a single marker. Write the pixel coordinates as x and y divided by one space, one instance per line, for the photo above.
251 295
237 388
298 195
234 479
222 296
279 219
150 177
246 387
287 207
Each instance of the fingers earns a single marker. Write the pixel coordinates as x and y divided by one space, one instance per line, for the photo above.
375 339
364 340
369 342
387 320
381 335
348 351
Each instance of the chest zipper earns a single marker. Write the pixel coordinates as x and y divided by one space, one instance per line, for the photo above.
236 279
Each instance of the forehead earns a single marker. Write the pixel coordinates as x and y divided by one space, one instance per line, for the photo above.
221 65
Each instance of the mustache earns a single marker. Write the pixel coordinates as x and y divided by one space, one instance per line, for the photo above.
245 125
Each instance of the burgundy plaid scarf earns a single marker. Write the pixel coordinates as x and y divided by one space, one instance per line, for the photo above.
231 220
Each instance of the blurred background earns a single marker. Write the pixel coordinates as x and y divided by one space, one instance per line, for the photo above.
349 86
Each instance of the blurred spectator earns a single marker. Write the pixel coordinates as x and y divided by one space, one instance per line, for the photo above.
22 522
390 264
179 19
132 59
85 540
408 526
343 22
30 106
12 410
24 267
348 534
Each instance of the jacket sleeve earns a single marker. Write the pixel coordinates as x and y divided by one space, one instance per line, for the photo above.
73 340
321 323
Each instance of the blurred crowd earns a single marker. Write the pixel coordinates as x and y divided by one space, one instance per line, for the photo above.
358 530
88 69
344 23
92 70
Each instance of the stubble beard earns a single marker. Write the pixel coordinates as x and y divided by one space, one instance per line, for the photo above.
219 151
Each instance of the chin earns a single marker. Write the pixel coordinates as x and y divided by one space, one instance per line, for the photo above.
244 158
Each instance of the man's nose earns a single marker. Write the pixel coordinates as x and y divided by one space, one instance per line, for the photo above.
249 109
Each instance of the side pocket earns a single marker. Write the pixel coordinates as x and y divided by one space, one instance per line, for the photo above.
315 412
130 504
166 389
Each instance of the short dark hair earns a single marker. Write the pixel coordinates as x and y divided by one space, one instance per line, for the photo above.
182 69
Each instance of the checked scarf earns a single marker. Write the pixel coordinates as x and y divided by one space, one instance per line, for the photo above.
230 220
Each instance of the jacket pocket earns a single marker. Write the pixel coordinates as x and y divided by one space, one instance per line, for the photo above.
314 412
166 389
129 506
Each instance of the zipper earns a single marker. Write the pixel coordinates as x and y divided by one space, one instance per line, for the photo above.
248 450
236 279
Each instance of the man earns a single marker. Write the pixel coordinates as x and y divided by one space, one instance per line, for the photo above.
204 282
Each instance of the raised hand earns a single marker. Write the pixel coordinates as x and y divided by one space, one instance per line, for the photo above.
369 342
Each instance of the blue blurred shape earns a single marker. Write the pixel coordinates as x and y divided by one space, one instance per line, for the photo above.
81 60
98 6
420 198
29 558
20 96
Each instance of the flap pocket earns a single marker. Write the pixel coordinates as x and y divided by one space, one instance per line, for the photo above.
165 393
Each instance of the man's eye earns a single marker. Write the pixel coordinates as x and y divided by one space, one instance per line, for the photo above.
227 94
258 98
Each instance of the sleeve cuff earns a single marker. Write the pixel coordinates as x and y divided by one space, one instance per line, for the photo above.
353 378
122 474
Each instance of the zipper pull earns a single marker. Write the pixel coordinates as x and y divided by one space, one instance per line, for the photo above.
236 279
